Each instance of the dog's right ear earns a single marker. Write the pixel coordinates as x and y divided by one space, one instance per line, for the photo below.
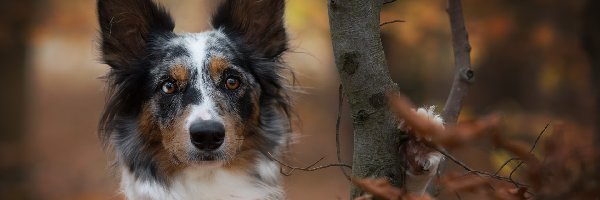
126 27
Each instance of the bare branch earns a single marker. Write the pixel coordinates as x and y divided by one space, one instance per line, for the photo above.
504 165
462 62
530 151
471 170
449 156
337 131
457 196
391 22
387 2
539 137
308 168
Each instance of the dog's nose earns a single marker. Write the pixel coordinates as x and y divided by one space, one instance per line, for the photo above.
207 135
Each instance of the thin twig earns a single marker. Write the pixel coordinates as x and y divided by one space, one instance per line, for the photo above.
538 137
530 150
495 175
471 170
391 1
308 168
390 22
457 196
462 62
337 131
504 165
450 156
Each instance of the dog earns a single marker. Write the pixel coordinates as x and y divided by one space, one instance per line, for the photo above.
196 115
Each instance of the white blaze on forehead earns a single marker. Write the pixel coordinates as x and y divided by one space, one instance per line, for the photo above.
197 46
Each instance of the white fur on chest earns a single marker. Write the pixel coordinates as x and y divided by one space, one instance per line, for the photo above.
211 184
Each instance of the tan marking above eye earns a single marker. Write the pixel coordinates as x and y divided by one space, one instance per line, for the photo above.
216 66
179 72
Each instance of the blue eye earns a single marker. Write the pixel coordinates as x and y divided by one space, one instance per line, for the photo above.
168 87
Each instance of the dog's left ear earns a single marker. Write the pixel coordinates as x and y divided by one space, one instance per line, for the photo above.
259 22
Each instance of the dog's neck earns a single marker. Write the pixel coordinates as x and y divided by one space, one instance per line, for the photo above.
262 182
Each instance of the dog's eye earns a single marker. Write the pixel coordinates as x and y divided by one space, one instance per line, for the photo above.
168 87
232 83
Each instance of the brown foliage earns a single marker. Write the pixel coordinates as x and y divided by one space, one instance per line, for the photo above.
568 170
450 136
382 189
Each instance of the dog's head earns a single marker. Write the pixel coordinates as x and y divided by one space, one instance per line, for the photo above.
196 98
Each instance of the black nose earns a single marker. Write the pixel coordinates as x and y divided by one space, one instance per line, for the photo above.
207 135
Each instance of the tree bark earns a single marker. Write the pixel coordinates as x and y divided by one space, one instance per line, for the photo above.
363 70
14 31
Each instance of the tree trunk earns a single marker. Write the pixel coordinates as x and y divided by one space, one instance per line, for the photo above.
14 31
591 43
363 70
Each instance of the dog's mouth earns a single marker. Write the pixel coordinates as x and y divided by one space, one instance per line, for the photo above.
208 164
208 158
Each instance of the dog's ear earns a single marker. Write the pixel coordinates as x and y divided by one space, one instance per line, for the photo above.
126 27
259 22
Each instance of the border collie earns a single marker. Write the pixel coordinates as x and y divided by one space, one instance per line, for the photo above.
195 115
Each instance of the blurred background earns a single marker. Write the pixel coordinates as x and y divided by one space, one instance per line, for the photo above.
533 60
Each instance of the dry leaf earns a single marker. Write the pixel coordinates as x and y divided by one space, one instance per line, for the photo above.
379 188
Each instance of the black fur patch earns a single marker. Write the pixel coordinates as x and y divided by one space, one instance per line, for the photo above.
126 28
259 23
